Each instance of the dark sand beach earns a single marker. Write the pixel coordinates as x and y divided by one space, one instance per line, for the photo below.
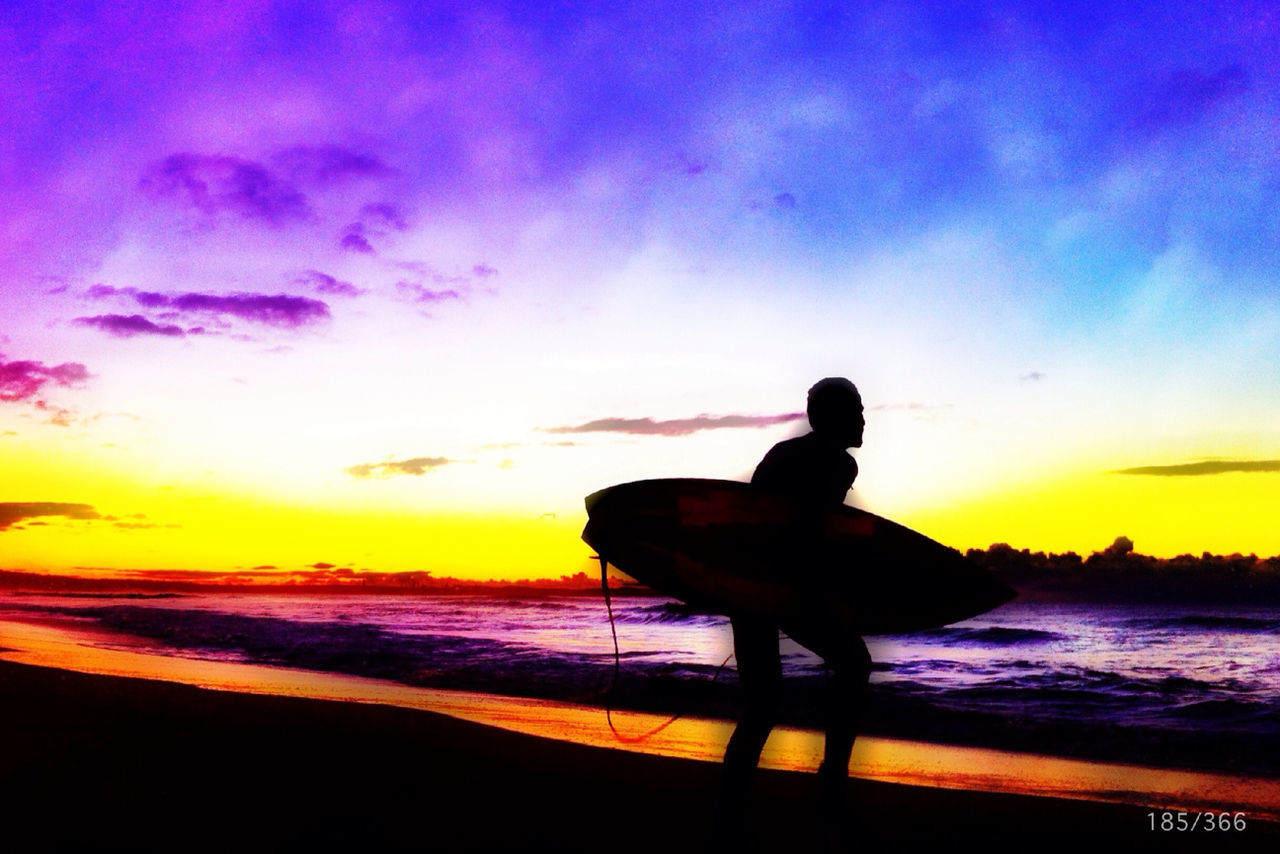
112 763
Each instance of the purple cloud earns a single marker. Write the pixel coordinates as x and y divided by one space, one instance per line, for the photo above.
129 326
417 293
101 291
280 310
676 427
12 512
416 466
328 163
213 184
149 299
23 380
484 271
323 283
385 215
353 240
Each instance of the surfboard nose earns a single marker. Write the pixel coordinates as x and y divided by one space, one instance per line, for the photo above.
593 500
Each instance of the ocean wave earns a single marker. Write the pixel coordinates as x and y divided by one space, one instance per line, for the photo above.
1207 622
1225 711
990 636
528 604
437 660
61 595
667 613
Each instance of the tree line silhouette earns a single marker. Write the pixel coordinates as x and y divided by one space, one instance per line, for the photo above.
1120 574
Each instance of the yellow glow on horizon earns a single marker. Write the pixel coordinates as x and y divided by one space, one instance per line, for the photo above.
198 526
409 524
223 535
1163 515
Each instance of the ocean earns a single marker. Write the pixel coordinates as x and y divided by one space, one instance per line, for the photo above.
1171 685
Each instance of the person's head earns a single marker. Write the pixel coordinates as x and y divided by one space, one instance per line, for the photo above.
835 411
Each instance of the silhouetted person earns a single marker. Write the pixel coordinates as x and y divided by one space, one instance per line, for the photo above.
814 471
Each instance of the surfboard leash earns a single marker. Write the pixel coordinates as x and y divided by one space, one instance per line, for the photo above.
617 669
617 656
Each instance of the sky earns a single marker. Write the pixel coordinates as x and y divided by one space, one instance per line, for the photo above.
393 285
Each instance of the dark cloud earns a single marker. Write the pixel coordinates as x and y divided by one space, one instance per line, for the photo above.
785 201
323 283
353 240
23 380
129 326
415 466
1205 467
676 427
280 310
1034 376
322 565
213 184
149 299
325 164
12 512
385 215
1188 93
419 293
266 566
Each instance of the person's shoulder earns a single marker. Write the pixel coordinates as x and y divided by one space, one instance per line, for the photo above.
811 444
776 462
797 445
789 451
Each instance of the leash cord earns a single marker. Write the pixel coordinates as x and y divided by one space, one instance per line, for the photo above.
617 668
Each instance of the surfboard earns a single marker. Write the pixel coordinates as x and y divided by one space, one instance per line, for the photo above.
732 548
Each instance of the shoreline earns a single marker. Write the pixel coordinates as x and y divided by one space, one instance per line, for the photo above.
1184 723
109 762
65 644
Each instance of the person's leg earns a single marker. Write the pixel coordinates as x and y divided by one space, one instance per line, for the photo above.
755 645
850 668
